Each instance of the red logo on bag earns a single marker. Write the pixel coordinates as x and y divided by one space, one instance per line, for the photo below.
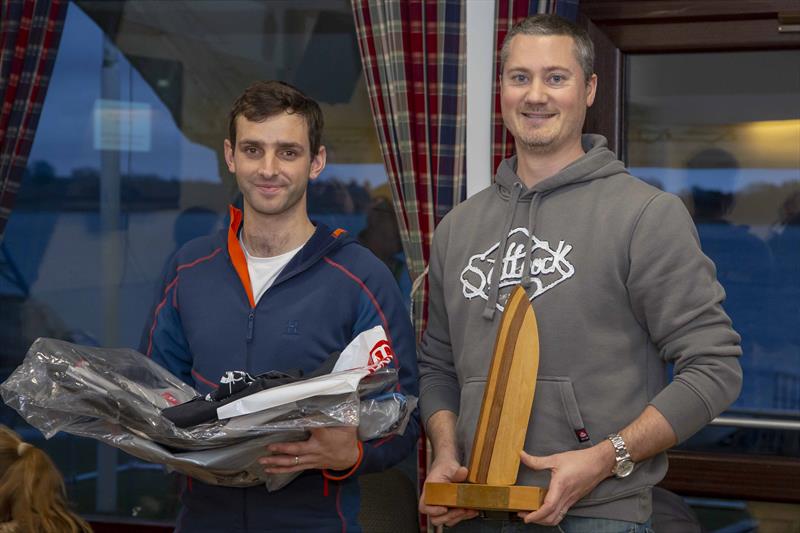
380 355
172 400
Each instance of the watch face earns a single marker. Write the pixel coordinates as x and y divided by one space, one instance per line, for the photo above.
624 468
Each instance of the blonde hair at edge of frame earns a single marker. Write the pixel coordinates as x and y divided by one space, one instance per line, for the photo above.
32 494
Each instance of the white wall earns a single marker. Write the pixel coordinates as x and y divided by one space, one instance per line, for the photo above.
480 71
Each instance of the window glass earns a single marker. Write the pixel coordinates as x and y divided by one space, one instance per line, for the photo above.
127 165
722 131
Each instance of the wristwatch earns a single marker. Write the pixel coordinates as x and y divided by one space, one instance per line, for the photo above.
624 465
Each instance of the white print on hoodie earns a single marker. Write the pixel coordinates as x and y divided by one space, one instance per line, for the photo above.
548 267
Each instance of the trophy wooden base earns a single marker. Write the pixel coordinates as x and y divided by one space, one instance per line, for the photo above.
484 497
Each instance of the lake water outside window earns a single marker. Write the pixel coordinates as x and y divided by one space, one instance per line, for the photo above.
722 131
127 166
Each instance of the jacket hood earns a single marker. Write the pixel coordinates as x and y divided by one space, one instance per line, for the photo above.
322 242
598 162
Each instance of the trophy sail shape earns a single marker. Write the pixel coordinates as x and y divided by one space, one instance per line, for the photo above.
508 396
503 421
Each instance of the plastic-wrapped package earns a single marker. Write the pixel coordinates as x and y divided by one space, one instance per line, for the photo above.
116 396
384 415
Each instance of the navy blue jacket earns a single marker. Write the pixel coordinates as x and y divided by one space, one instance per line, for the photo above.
204 322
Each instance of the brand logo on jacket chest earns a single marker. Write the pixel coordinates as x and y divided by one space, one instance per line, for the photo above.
548 267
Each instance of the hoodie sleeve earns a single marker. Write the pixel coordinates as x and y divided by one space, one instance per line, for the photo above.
439 387
675 294
382 304
163 339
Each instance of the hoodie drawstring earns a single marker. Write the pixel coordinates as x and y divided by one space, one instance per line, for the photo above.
527 265
494 278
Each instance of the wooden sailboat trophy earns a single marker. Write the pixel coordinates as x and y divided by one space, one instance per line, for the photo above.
503 421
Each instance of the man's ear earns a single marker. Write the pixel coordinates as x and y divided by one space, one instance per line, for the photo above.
228 149
591 90
318 163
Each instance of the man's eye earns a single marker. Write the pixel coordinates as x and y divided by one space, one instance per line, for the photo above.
251 150
557 79
289 154
518 78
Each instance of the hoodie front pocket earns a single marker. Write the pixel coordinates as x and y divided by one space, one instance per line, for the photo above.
469 411
556 424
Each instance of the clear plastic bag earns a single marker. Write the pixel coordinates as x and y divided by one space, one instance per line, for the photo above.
116 396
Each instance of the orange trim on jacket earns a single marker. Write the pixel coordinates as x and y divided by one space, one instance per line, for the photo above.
237 255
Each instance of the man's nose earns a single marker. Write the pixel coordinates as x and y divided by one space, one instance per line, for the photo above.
269 165
536 93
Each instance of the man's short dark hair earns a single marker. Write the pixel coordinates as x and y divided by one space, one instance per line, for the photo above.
265 99
554 25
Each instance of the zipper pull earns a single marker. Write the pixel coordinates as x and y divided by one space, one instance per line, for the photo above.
250 319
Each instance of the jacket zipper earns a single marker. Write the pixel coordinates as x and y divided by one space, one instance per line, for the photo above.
250 320
251 316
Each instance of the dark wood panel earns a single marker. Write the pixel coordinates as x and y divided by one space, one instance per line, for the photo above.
743 477
619 11
128 527
727 35
606 115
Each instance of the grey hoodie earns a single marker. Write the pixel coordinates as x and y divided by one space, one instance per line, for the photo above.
620 287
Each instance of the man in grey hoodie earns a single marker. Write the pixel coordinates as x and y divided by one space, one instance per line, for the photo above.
620 287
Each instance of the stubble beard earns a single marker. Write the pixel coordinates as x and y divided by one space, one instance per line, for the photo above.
539 144
289 205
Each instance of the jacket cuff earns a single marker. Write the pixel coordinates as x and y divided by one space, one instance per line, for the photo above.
438 397
684 409
339 475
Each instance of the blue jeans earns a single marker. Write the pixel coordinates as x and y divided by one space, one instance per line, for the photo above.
570 524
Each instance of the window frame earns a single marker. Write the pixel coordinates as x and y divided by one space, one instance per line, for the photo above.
658 26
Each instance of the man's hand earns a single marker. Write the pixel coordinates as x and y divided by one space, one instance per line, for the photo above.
445 471
334 448
572 476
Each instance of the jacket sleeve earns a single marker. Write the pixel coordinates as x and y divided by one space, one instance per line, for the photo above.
675 294
382 304
163 339
439 387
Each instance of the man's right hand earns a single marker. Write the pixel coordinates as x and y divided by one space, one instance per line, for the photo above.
445 471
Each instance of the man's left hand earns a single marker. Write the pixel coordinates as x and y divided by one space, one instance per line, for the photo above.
334 448
572 476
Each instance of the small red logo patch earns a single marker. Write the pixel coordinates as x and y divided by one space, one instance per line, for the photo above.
380 355
170 398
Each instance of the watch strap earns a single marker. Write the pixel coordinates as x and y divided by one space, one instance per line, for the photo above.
621 453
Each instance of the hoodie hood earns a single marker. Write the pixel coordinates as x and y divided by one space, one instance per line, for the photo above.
598 162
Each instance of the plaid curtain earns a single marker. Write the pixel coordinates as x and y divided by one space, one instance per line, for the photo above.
509 12
30 31
413 53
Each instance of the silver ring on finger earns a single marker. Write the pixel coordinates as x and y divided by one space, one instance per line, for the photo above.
296 460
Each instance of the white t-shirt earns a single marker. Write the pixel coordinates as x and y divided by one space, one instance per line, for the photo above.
265 270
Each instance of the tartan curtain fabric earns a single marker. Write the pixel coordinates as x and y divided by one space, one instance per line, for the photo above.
509 12
413 53
30 31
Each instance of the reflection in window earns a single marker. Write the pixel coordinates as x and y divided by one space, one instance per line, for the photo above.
707 127
127 166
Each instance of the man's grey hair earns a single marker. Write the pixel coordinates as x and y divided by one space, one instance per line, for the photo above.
553 25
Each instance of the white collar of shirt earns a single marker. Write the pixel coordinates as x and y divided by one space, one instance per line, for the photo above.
265 270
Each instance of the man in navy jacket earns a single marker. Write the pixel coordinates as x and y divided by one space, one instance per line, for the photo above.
276 291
